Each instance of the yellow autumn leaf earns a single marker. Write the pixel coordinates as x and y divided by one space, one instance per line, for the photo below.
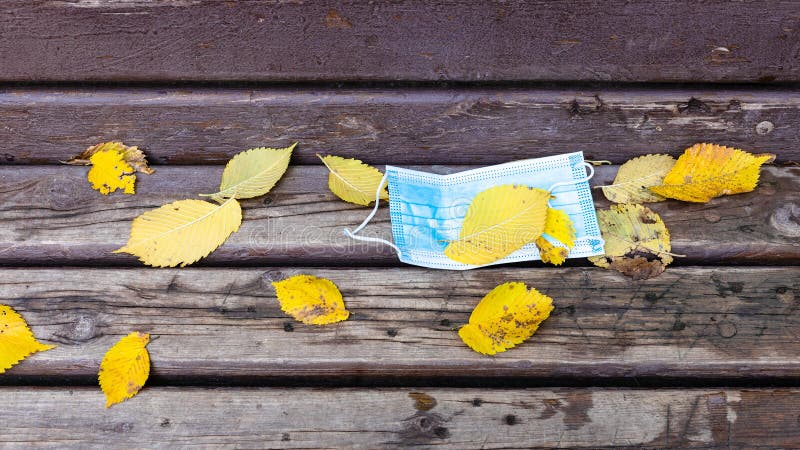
636 176
550 253
499 221
253 172
125 368
182 232
705 171
352 180
505 317
311 300
558 226
110 172
131 155
16 339
636 241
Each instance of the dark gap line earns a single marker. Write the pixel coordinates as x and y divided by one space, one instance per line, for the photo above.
388 381
403 84
347 262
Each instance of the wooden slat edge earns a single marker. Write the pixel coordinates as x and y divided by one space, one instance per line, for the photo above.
50 215
401 418
216 324
401 126
135 40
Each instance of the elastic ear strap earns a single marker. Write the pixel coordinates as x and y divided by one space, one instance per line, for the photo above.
580 180
353 234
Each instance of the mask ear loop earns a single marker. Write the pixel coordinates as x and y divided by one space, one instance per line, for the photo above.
569 183
352 234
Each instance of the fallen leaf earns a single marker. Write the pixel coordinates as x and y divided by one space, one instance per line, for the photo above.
558 226
125 368
110 172
705 171
499 221
636 241
636 176
550 253
311 300
505 317
16 339
182 232
253 172
352 180
132 155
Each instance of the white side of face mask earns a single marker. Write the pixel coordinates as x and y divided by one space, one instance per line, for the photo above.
427 210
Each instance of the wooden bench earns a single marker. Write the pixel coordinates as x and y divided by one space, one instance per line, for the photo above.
705 355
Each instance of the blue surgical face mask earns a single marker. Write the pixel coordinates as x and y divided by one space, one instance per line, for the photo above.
427 209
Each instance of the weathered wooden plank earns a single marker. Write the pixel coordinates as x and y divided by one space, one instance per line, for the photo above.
50 215
402 126
225 324
113 40
402 418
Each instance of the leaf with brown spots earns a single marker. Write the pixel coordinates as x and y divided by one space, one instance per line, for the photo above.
636 241
705 171
125 368
557 226
311 300
505 317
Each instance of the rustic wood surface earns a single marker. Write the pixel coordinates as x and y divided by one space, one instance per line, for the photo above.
396 126
719 323
50 215
459 40
403 418
439 86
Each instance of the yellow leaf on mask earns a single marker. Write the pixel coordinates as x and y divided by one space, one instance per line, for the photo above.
705 171
311 300
636 241
506 316
110 172
125 368
182 232
499 221
253 172
550 253
352 180
558 226
131 155
16 339
636 176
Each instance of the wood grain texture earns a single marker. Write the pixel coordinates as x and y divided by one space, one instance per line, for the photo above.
401 126
132 40
225 324
403 418
50 215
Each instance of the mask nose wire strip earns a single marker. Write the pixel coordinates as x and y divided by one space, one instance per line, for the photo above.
569 183
353 234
